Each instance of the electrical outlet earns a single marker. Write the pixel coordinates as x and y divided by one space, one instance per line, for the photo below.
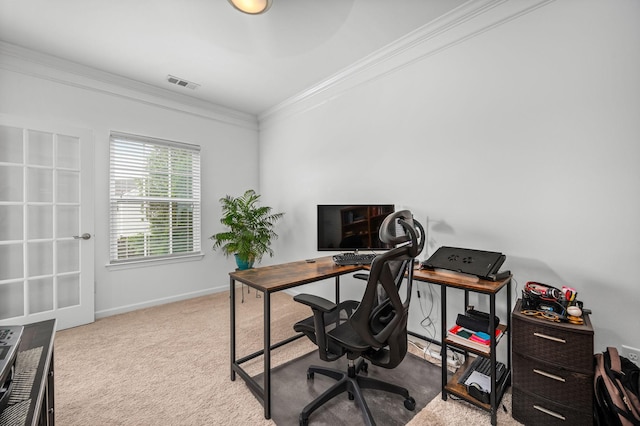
632 353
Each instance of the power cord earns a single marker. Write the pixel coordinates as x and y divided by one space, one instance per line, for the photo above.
515 290
427 323
454 359
416 345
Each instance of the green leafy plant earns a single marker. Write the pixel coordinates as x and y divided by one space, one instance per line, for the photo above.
250 228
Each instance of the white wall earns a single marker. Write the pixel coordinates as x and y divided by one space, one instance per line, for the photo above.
522 139
229 166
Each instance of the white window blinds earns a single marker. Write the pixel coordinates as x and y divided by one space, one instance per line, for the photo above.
154 198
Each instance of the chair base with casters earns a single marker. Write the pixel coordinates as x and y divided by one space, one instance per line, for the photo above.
352 383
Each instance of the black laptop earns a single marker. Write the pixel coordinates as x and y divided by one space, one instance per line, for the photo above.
484 264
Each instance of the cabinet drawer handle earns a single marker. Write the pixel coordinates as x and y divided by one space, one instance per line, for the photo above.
549 375
544 336
549 412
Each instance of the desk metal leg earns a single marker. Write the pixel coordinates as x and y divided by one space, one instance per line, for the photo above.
509 328
337 290
492 348
443 335
267 355
232 298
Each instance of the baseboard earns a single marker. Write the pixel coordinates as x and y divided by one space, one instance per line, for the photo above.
156 302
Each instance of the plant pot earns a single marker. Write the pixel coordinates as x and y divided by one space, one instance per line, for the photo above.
243 264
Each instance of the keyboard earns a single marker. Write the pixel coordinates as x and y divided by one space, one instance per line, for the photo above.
343 259
483 366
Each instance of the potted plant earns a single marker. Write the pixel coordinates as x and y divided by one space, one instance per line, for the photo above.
250 229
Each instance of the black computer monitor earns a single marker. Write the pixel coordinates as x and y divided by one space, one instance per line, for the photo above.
351 227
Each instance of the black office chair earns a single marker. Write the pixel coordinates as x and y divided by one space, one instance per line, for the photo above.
374 329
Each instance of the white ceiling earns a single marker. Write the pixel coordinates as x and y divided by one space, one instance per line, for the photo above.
247 63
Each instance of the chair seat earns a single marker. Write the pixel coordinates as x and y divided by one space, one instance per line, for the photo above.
347 337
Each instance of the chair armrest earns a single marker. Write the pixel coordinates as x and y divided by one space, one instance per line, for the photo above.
315 302
361 276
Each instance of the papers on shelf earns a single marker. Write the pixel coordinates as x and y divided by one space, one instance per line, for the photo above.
472 339
480 379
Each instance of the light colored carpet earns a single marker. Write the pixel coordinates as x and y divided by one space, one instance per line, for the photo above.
461 413
169 365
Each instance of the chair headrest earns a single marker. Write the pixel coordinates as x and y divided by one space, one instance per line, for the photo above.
400 227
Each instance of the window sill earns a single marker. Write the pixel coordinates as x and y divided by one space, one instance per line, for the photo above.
143 263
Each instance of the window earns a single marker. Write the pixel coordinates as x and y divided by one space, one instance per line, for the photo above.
154 198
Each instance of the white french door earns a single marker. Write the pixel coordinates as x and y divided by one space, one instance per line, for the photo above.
46 224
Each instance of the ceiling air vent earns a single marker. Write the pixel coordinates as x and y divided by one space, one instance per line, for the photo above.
182 82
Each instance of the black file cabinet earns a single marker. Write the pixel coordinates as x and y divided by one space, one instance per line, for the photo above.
552 371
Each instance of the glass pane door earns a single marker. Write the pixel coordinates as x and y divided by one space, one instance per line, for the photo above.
43 213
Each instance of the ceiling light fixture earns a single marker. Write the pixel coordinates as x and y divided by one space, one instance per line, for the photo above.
252 7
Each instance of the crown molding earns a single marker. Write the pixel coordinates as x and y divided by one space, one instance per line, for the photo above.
463 23
469 20
28 62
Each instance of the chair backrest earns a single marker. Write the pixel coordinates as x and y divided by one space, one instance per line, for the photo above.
383 324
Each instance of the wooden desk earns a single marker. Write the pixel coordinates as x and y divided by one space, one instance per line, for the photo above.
270 279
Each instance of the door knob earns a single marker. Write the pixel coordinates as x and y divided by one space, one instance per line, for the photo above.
84 236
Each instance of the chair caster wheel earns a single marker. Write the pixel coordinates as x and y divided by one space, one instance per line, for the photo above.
310 375
365 367
410 404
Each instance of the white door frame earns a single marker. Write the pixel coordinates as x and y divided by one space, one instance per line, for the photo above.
84 311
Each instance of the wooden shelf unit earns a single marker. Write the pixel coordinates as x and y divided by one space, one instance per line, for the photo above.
490 288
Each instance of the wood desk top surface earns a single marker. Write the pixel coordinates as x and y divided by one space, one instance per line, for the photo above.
461 281
285 275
